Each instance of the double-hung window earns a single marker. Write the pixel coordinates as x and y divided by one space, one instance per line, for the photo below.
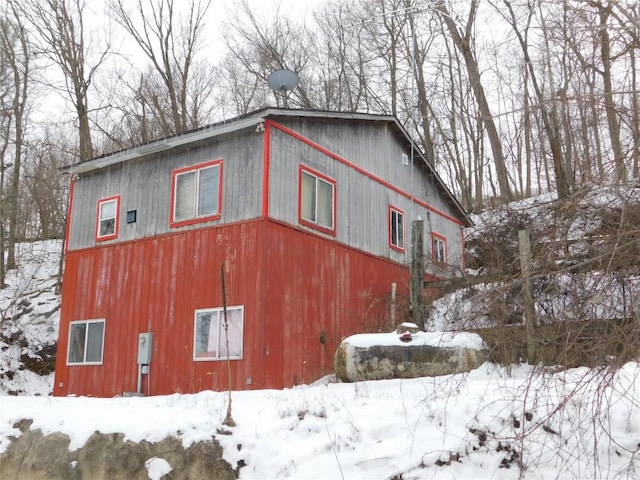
439 248
86 342
317 201
212 335
196 193
108 218
396 229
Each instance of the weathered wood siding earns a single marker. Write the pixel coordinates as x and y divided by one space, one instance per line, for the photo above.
145 186
362 201
296 289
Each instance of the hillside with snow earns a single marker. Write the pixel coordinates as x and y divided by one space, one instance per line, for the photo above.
29 317
495 422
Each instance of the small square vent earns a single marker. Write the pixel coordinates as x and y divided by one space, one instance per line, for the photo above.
405 159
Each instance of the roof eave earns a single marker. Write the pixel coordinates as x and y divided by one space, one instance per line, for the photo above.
165 144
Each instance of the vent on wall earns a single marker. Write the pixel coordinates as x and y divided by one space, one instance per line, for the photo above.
405 159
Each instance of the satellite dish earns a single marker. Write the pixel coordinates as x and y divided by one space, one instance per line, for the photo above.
281 81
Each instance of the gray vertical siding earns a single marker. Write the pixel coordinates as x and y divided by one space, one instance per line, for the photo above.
144 185
363 204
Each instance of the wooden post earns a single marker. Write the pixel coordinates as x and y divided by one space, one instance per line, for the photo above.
393 304
228 421
524 241
417 272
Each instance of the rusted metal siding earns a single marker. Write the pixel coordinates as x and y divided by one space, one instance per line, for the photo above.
293 286
145 186
321 290
155 285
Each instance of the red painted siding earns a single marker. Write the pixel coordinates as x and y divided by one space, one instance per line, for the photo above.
294 286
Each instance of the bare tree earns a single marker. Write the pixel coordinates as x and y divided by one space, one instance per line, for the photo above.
63 39
45 188
342 56
549 116
262 46
6 119
463 40
172 90
604 12
15 50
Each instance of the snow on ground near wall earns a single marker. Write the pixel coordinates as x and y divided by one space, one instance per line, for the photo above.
29 308
576 424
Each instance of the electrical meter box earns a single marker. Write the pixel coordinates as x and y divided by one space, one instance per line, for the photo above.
145 343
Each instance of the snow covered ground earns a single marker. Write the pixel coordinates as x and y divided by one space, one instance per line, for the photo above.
29 317
488 424
492 423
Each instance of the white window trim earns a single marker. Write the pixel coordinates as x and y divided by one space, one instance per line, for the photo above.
195 169
220 312
436 241
86 339
329 181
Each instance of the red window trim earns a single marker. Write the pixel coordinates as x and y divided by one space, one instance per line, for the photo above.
361 170
101 202
308 223
192 221
404 242
443 239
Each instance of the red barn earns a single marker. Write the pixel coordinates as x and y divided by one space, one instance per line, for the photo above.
308 212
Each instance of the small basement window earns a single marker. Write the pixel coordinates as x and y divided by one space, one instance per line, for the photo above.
107 222
86 342
210 336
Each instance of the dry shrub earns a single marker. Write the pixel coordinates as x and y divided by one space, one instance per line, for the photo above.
586 279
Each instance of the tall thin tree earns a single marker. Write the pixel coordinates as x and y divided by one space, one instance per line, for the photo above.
15 49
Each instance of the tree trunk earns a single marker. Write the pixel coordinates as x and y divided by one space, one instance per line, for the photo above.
610 106
463 44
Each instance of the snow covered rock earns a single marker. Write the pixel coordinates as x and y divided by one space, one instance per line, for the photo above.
35 455
406 353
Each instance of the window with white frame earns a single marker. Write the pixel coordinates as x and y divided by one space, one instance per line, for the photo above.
108 209
196 193
211 336
86 342
317 200
439 249
396 228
